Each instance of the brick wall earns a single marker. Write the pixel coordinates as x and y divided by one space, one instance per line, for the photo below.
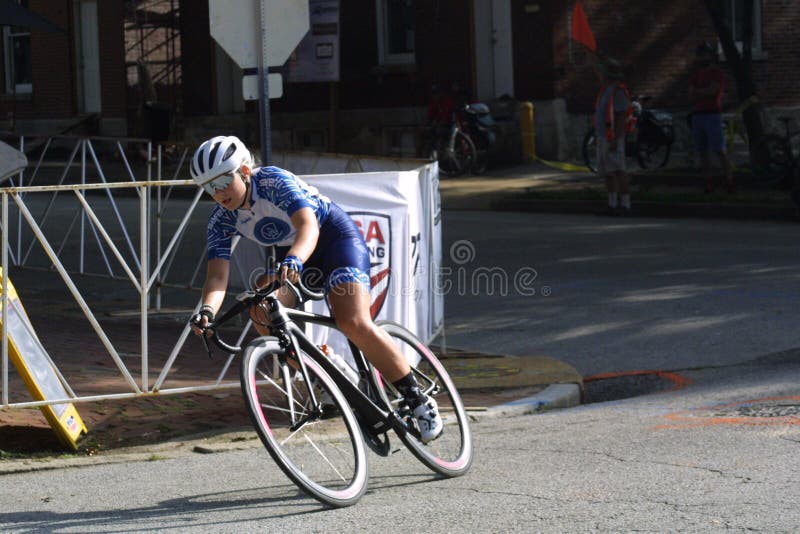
656 42
52 76
54 65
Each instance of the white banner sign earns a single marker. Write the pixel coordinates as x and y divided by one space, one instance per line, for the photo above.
399 215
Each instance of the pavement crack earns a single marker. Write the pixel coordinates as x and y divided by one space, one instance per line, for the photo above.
720 472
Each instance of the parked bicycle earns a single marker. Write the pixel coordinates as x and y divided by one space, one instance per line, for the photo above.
314 421
479 125
465 145
783 152
651 141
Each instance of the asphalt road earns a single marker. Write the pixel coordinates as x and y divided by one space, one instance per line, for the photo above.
712 301
615 295
698 459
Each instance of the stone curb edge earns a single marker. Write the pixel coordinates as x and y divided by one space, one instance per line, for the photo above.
553 397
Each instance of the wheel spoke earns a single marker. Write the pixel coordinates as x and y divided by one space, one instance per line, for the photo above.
323 453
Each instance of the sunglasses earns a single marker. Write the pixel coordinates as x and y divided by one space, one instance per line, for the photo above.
218 184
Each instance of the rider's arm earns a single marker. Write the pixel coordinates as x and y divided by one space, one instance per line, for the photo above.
216 283
213 293
305 222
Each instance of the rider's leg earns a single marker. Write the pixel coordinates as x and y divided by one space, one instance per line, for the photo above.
350 303
258 314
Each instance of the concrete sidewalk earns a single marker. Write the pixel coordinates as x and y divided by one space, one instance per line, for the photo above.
535 187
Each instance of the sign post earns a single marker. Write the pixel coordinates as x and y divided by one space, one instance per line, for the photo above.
263 77
259 34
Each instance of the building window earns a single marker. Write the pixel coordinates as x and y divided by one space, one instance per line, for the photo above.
734 16
395 32
17 46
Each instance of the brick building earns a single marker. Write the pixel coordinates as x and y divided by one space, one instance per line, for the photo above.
121 66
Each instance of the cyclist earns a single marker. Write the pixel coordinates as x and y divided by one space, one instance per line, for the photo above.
272 206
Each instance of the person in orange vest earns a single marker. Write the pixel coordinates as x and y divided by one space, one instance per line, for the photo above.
611 122
706 90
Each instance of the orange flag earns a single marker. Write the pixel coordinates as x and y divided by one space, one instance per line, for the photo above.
581 31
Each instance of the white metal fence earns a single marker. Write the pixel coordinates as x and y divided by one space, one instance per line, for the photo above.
116 209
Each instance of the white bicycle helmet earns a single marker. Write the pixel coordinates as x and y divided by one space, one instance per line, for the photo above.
217 156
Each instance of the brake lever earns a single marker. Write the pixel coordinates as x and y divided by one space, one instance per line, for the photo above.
206 343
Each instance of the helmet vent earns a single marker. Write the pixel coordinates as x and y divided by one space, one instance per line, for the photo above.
213 154
229 152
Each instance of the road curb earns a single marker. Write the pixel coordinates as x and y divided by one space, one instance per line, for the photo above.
553 397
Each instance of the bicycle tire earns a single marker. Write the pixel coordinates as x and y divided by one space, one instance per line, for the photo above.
449 455
481 162
650 155
460 159
590 150
324 457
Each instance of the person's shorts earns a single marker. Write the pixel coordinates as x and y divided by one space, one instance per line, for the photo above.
341 255
608 161
707 132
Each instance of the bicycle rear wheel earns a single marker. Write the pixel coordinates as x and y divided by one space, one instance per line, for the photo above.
778 156
320 451
451 453
459 160
652 155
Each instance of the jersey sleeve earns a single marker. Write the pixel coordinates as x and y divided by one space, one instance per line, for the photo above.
283 189
220 232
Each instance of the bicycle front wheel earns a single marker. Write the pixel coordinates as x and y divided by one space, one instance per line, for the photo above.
451 453
317 445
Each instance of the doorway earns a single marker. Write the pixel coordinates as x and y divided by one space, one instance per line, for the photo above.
494 61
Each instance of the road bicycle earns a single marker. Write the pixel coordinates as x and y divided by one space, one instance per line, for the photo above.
315 422
651 141
782 149
453 148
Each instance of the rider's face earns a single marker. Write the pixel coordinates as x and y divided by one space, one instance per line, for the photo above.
232 196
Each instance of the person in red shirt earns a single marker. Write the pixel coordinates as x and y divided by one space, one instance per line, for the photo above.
439 118
706 90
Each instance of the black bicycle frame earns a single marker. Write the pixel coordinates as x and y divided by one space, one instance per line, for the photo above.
377 420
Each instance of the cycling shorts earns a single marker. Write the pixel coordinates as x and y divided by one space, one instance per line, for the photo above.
341 255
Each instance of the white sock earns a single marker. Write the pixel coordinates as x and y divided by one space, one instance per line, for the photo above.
625 199
612 200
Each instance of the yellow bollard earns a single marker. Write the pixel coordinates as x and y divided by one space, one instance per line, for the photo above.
528 131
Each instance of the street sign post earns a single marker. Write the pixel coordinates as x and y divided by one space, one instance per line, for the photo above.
259 34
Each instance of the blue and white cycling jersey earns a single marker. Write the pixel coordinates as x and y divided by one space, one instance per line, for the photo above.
275 196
